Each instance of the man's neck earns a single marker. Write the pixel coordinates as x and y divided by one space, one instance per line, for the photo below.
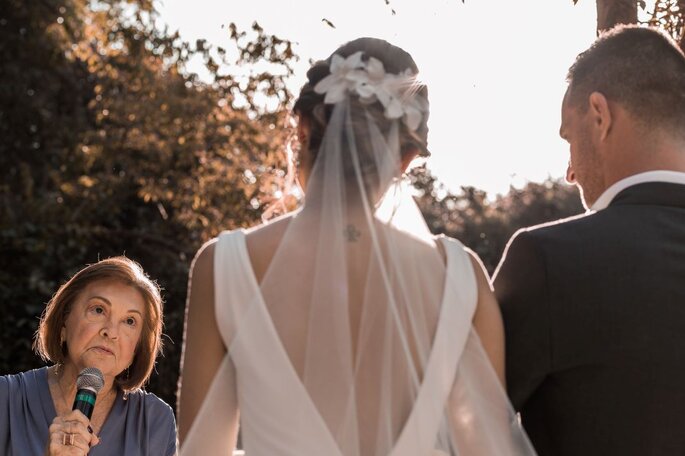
641 156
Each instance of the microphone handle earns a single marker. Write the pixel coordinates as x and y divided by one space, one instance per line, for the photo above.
85 401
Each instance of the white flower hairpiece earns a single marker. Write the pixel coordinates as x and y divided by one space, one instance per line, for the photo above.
396 92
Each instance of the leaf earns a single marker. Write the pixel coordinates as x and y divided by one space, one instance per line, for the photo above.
327 22
95 190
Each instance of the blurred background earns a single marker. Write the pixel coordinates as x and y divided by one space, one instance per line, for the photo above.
145 128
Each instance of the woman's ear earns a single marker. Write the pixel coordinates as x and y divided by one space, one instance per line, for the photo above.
303 129
408 155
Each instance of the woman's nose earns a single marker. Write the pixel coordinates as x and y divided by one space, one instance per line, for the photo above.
109 330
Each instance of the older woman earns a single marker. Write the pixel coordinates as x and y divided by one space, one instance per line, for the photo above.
108 316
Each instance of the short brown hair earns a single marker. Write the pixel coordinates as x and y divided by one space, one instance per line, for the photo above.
641 68
47 342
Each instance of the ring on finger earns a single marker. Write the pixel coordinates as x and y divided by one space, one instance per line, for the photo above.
67 439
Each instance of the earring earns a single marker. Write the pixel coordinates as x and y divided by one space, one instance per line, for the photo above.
63 343
126 377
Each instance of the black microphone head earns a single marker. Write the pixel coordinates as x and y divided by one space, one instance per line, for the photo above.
90 378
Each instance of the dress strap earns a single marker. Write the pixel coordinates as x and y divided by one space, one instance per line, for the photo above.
235 286
207 434
459 303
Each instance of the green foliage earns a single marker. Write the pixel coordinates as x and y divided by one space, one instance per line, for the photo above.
109 147
668 15
485 226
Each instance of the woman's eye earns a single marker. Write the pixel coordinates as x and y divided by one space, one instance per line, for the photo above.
96 313
131 321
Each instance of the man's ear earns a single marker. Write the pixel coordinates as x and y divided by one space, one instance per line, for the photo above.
601 116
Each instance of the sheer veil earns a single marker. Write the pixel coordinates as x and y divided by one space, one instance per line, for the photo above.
373 312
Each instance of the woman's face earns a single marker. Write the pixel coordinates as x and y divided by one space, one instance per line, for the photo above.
104 326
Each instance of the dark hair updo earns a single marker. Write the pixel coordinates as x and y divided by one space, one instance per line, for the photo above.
310 104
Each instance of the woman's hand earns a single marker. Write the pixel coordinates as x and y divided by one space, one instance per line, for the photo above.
70 435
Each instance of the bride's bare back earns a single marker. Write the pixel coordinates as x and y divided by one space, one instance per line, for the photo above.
346 328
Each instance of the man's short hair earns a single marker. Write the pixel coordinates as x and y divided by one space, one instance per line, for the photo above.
641 68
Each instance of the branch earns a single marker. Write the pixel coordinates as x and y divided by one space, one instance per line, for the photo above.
614 12
138 235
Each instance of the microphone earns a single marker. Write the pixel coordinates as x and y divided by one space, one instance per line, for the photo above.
88 384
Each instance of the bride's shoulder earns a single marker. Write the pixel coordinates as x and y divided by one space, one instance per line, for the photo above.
478 266
444 243
262 242
275 227
203 263
257 238
444 239
204 257
454 243
266 236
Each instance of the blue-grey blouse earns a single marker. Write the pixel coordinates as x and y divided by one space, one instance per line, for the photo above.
141 425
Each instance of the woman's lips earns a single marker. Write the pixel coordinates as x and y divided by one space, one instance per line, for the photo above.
103 350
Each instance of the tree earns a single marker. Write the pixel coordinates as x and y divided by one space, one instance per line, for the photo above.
486 225
110 147
613 12
668 15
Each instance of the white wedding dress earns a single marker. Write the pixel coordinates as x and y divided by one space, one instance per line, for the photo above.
277 414
357 340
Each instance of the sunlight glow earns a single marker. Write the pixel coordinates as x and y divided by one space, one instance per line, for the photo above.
495 70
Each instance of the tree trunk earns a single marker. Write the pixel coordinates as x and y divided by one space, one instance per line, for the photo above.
613 12
681 11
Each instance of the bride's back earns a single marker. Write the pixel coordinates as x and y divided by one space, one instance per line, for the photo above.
383 372
356 336
354 299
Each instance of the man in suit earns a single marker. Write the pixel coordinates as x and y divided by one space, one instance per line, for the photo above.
594 306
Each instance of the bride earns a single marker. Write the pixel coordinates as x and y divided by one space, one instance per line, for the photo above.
345 328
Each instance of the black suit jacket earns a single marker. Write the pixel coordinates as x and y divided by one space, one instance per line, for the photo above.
594 313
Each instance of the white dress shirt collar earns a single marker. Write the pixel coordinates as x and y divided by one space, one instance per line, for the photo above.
674 177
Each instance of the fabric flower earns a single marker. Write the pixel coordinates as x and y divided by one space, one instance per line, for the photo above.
396 94
370 81
414 107
346 74
375 74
